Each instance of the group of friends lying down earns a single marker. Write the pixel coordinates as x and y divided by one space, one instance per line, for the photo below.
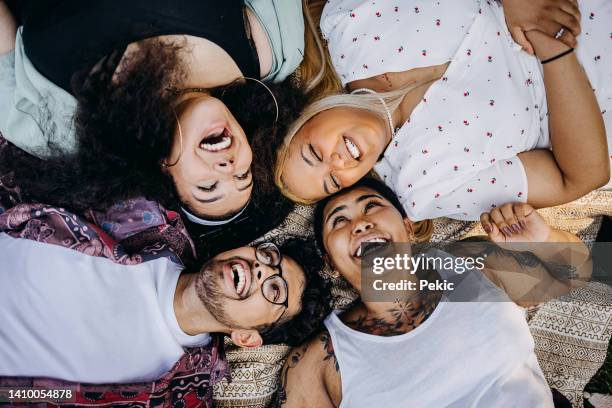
147 147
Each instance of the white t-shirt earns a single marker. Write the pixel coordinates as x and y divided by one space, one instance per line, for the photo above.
75 317
466 354
457 155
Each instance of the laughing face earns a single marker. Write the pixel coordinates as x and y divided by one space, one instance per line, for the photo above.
333 150
213 158
361 215
237 290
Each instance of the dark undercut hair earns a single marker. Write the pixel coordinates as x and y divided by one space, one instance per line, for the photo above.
315 301
366 182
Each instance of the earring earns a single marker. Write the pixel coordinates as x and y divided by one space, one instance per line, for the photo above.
166 165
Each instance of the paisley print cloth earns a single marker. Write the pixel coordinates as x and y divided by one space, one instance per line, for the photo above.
131 232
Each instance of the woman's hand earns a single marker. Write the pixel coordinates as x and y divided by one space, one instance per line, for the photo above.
564 261
545 46
547 16
515 222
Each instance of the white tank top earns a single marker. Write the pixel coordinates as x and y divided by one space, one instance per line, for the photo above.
466 354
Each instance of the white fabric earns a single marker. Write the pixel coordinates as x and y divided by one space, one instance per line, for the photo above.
456 156
368 38
466 354
212 223
76 317
33 110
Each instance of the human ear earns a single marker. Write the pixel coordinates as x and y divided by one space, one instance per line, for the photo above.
246 338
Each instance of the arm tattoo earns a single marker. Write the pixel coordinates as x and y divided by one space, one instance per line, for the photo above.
328 347
295 356
527 259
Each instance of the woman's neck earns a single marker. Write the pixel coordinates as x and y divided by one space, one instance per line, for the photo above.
392 318
392 81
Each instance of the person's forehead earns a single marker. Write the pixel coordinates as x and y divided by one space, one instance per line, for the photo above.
348 199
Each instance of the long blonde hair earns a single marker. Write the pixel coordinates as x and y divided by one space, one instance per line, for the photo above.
316 72
369 102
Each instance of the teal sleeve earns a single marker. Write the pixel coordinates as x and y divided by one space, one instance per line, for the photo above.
7 87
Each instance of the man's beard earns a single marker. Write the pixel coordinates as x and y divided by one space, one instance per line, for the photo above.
210 292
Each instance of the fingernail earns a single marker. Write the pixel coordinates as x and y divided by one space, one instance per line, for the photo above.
488 229
516 228
507 230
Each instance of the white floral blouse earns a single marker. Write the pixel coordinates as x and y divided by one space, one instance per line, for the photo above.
457 154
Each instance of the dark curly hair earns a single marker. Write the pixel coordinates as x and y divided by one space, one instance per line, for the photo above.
124 126
315 300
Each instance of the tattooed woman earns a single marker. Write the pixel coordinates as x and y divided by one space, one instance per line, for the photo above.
381 353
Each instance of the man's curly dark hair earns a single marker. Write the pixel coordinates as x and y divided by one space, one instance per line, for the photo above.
124 125
315 305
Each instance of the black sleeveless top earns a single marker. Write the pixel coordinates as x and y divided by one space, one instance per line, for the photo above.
63 37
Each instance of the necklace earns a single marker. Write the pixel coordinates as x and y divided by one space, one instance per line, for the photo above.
384 104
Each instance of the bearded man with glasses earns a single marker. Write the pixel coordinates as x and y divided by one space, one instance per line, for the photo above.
75 317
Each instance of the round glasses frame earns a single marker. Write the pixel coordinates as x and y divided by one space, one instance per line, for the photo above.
268 254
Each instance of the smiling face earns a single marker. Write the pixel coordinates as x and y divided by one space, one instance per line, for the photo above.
212 175
231 286
333 150
360 215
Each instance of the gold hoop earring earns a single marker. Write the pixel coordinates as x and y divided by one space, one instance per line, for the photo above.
271 93
207 91
166 165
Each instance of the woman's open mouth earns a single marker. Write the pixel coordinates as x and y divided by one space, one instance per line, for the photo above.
218 141
352 148
358 252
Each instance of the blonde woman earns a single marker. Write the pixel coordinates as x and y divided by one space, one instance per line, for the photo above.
455 117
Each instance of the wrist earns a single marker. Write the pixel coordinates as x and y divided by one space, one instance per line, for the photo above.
558 236
556 57
553 51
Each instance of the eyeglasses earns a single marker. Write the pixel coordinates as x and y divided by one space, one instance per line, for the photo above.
275 288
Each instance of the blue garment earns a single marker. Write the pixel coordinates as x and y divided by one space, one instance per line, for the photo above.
283 22
34 112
